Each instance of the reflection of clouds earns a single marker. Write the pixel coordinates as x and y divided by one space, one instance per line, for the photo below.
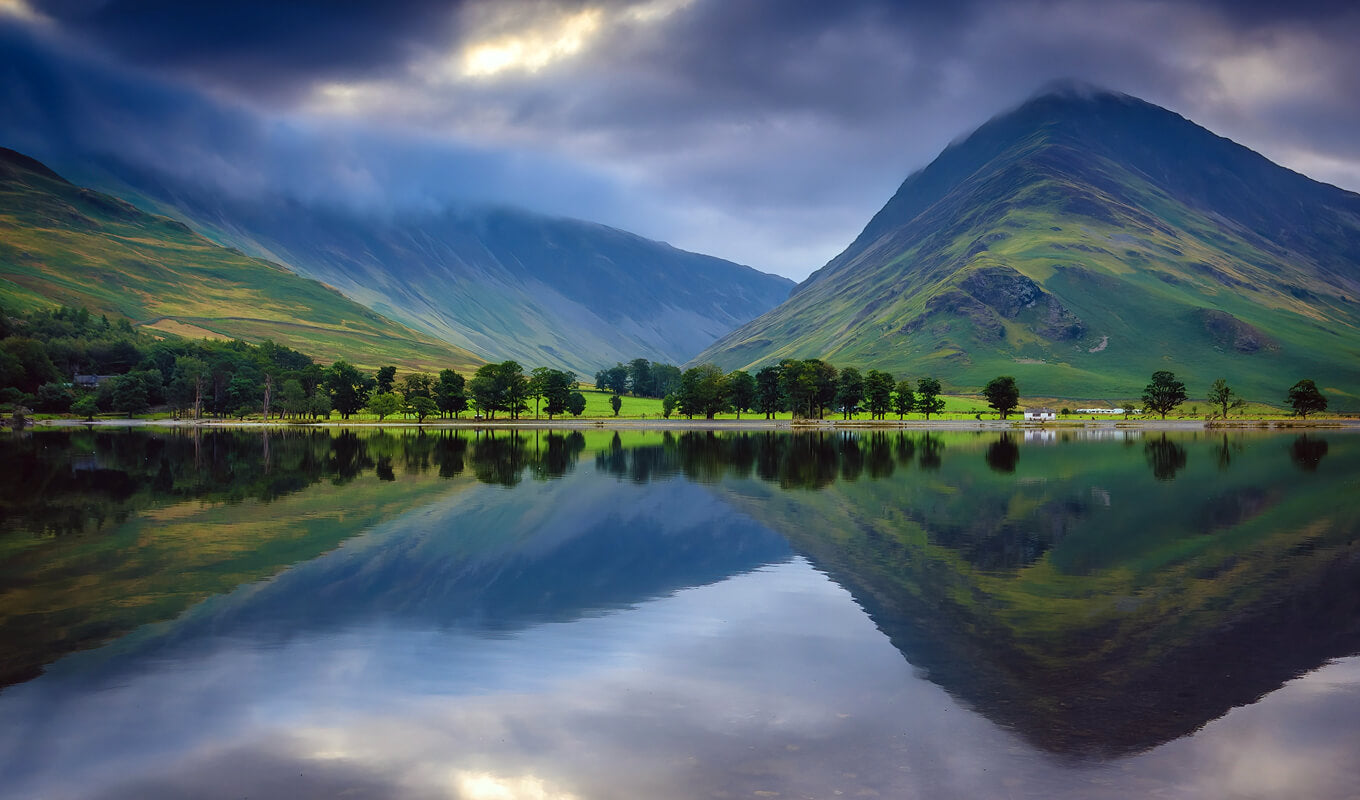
773 681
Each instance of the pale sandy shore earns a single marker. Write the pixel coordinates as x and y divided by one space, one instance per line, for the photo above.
755 424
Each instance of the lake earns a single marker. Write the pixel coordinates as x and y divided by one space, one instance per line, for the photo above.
667 614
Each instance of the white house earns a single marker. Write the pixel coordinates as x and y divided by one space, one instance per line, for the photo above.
1040 414
1100 411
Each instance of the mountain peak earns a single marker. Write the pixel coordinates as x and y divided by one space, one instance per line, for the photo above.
1075 89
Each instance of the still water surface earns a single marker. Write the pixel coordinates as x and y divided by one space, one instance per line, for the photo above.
674 615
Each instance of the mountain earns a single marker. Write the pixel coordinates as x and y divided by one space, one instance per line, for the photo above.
1080 242
61 244
501 282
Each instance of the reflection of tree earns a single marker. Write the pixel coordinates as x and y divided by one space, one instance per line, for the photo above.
558 454
1003 454
931 447
879 460
1307 452
1226 451
852 460
1165 456
498 459
905 450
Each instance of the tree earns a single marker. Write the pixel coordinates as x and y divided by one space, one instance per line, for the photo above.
849 391
129 395
615 402
614 379
798 384
703 390
422 407
348 388
576 404
449 393
1164 393
384 379
293 397
556 388
187 381
500 387
741 389
1224 397
878 388
417 384
1002 394
1305 398
640 377
904 401
537 378
668 406
768 395
665 379
85 406
319 406
384 405
824 378
928 400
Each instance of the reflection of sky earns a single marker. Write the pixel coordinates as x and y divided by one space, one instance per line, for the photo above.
772 681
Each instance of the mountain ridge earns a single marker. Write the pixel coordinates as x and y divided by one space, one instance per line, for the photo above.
63 244
499 281
1101 210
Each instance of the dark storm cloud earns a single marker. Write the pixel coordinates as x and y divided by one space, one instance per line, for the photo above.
258 46
75 112
767 131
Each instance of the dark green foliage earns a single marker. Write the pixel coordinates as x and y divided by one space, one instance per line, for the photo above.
349 389
904 399
449 393
615 402
128 395
809 386
1002 394
383 379
416 384
703 390
849 391
1165 456
422 407
85 406
769 395
928 400
1305 398
878 389
640 377
1164 393
576 404
556 388
668 406
741 390
53 398
613 379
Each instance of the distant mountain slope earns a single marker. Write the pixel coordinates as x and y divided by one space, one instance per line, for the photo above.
503 283
61 244
1081 242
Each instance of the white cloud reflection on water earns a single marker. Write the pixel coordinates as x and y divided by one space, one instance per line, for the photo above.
773 681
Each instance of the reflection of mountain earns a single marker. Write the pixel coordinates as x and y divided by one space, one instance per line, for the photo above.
1089 604
102 532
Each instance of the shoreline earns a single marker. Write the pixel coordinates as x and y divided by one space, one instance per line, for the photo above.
802 426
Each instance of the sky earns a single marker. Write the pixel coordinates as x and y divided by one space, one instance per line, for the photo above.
767 132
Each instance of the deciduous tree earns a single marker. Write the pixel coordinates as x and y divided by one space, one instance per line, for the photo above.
1002 394
1305 398
1164 393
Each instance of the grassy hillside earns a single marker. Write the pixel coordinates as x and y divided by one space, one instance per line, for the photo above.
1081 244
500 282
64 245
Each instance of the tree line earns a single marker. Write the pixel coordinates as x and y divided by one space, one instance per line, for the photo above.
41 351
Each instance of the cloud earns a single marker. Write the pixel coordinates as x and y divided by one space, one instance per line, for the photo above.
767 131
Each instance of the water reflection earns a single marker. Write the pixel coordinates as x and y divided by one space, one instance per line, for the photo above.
623 613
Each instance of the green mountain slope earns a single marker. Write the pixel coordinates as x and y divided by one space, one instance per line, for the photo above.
62 244
1079 243
501 282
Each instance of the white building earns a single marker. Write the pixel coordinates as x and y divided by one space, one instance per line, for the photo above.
1100 411
1040 414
